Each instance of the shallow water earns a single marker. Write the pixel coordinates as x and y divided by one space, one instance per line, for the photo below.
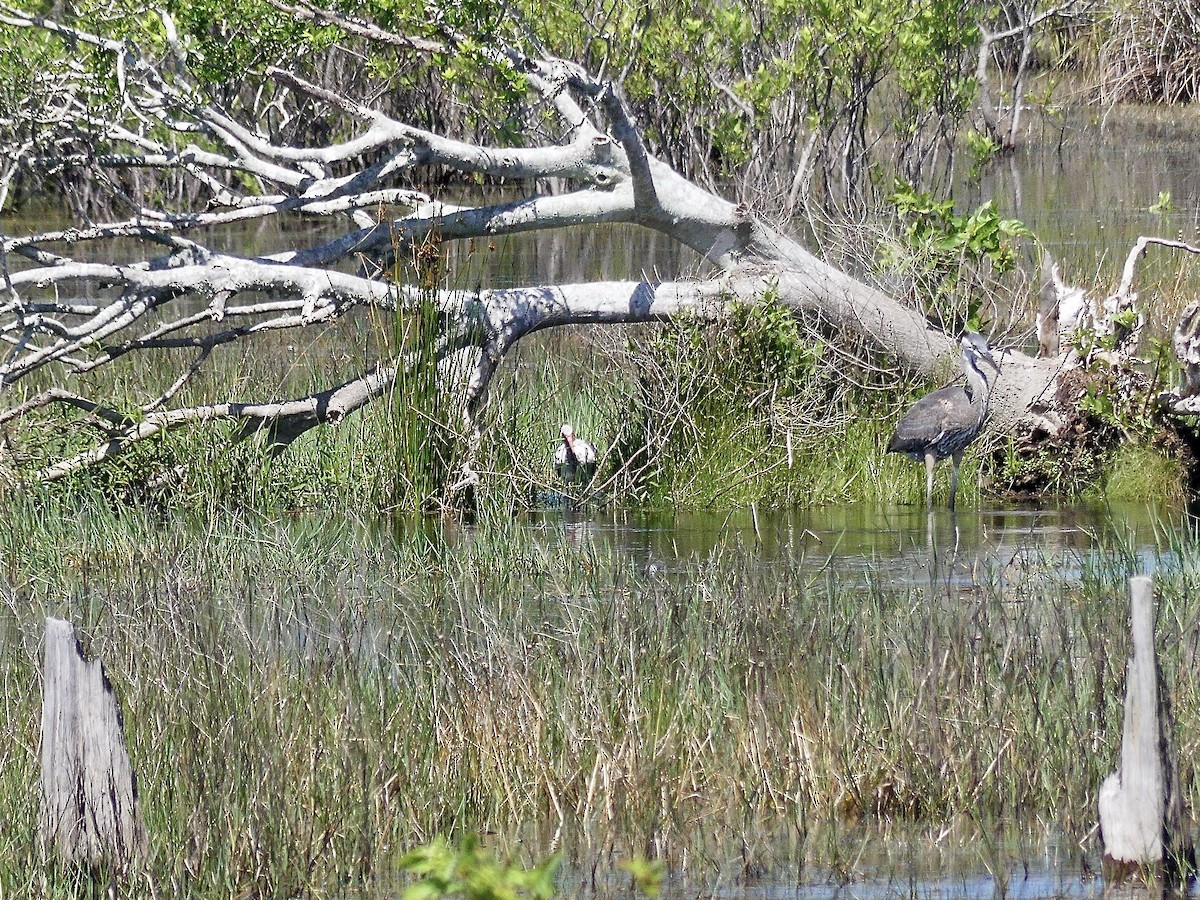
1085 181
936 552
906 545
1088 197
1088 183
913 867
1022 884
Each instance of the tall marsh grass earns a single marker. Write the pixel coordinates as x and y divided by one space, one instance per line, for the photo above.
305 701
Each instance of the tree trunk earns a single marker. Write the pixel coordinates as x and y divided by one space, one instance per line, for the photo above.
89 812
75 316
1141 814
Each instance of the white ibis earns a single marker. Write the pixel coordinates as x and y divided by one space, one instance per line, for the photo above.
944 422
575 458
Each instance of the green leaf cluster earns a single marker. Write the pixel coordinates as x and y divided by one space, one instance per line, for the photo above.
473 873
717 84
933 224
226 39
766 342
757 355
983 149
710 77
846 46
648 874
1163 205
1129 412
943 241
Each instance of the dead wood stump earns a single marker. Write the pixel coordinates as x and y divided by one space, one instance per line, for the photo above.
89 812
1141 811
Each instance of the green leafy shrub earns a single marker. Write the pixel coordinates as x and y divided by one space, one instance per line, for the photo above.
754 408
943 244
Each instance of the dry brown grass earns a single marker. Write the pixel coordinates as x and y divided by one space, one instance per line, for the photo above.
1152 54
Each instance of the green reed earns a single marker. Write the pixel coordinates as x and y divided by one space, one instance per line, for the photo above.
306 701
669 434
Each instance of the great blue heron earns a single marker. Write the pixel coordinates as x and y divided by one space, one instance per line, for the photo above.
575 458
944 422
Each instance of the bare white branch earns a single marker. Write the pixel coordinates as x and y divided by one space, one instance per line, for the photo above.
160 286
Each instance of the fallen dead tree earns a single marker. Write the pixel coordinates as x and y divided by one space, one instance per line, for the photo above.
66 314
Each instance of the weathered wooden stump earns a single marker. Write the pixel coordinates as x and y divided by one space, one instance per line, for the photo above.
89 811
1141 812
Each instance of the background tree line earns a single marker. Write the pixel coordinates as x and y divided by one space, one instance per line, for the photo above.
813 105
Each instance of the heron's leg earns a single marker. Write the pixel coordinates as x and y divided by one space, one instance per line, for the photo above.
930 462
958 457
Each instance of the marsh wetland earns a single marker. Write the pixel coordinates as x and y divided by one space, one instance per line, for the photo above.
839 700
306 700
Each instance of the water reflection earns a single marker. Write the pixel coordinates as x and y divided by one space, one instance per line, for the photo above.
908 545
1089 188
890 866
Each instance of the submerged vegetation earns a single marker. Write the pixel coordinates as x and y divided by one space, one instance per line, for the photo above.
305 703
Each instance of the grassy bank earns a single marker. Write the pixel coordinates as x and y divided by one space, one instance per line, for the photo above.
757 409
306 701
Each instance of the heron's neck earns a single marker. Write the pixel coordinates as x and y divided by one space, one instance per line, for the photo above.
979 385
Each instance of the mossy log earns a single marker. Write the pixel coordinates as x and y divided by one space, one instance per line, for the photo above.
89 812
1141 811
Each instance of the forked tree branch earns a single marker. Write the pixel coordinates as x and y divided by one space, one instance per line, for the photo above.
63 312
